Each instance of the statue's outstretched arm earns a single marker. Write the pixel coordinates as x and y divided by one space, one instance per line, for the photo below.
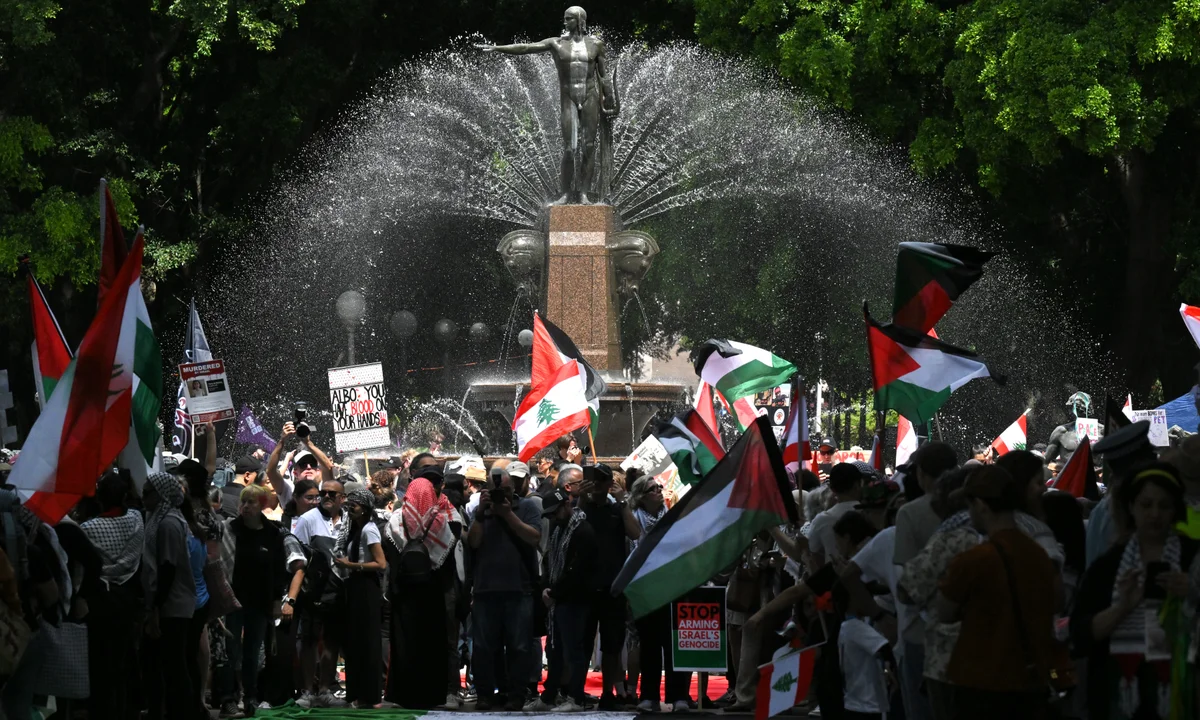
520 48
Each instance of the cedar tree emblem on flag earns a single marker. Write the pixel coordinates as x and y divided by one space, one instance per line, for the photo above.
546 412
784 683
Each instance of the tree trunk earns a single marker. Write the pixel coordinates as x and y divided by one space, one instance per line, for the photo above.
1149 275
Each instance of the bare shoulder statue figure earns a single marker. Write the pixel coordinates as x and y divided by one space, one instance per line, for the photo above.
586 92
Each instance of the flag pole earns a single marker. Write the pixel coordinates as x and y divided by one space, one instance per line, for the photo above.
366 465
592 444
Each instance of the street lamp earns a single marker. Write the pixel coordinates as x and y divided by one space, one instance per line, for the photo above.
444 331
525 340
351 306
403 324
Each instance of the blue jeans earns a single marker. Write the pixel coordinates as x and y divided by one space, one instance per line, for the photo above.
567 653
912 671
247 629
501 621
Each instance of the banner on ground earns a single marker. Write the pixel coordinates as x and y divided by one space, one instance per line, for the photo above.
1089 428
774 404
207 389
1158 425
698 641
360 417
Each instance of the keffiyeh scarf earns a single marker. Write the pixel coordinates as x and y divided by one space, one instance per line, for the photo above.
363 497
119 540
170 497
427 515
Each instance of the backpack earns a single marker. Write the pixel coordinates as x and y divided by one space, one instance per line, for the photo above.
322 590
414 566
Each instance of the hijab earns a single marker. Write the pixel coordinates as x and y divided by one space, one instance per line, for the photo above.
170 497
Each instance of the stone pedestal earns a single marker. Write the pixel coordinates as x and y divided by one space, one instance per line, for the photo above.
581 295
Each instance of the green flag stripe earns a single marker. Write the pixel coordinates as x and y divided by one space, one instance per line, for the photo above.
147 398
147 360
664 584
48 384
753 377
145 411
914 402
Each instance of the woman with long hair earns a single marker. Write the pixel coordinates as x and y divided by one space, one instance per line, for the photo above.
359 554
306 495
423 533
1130 615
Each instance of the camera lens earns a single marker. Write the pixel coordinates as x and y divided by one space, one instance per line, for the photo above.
302 429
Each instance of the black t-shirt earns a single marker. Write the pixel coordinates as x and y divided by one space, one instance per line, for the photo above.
606 519
252 571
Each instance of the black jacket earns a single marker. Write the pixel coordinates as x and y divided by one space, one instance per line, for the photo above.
579 568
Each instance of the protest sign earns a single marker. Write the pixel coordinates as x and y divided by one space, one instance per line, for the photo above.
207 391
360 419
650 457
1089 427
1158 425
698 630
774 404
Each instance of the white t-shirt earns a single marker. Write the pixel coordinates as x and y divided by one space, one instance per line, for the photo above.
866 688
314 524
369 537
820 535
875 561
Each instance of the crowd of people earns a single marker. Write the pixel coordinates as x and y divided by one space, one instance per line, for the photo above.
946 590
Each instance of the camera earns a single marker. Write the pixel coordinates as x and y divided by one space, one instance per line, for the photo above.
302 428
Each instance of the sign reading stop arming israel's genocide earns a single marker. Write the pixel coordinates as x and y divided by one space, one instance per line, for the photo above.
360 419
698 630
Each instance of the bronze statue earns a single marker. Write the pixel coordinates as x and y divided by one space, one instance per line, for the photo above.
587 97
1064 440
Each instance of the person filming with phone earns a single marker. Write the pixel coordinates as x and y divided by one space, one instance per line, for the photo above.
309 462
1131 614
504 538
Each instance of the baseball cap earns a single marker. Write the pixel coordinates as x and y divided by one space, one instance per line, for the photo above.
247 464
518 470
395 462
552 499
304 457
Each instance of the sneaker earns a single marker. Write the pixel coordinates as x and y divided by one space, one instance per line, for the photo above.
452 702
608 702
728 698
249 707
329 700
569 706
647 706
229 709
680 706
537 705
306 699
739 707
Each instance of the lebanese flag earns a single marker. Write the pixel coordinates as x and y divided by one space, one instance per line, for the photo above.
552 348
797 452
1014 437
112 243
710 526
906 441
86 422
51 354
929 278
914 373
783 683
1078 477
551 410
707 411
876 459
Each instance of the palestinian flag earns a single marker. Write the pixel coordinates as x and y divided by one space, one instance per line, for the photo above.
906 441
112 242
1014 437
1078 477
783 683
741 410
552 348
1127 408
707 410
51 354
738 370
87 421
550 410
693 448
913 373
929 278
711 525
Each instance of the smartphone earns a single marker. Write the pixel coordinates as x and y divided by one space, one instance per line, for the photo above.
1152 590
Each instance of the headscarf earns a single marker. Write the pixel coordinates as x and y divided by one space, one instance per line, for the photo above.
426 515
360 496
120 541
170 497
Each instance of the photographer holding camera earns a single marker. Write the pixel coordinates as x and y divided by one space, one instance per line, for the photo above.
503 538
308 462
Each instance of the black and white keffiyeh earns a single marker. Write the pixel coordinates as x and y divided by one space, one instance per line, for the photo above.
119 541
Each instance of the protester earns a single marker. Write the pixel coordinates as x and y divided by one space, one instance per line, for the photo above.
308 463
198 557
570 567
1131 619
1002 591
170 596
359 554
113 618
1121 451
845 482
503 537
305 496
321 629
246 472
424 658
1185 457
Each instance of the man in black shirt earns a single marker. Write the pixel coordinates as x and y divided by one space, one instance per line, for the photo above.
611 518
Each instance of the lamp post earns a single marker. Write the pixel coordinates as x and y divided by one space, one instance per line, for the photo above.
403 324
444 331
479 333
525 340
351 306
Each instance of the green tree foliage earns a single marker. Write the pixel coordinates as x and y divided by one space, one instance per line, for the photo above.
1078 120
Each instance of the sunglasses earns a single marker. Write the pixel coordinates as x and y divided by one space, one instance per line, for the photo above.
331 493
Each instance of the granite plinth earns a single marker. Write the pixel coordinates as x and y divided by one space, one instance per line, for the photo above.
580 287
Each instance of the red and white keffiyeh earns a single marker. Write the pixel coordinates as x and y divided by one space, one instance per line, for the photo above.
425 514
